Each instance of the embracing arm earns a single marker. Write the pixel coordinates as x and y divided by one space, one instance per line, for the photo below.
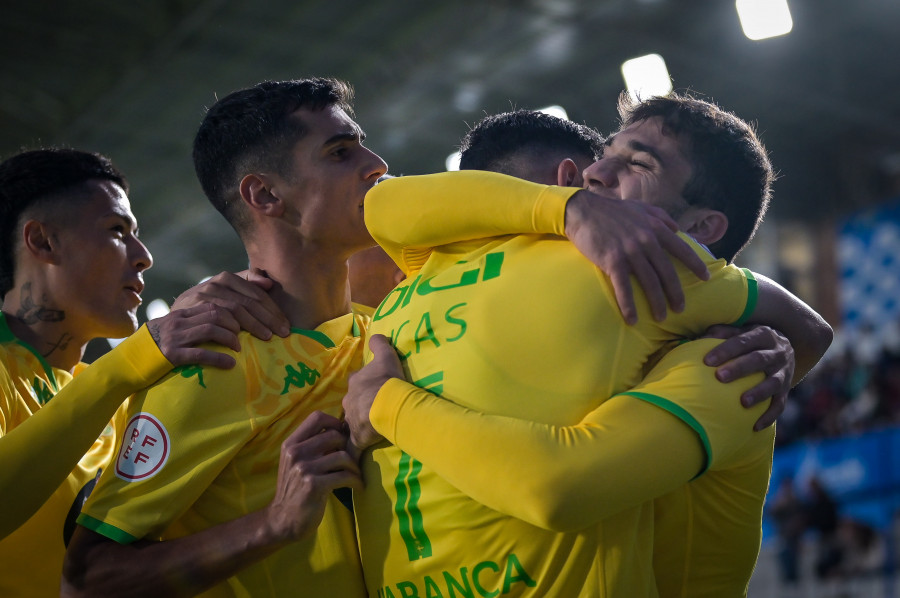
809 334
408 216
628 450
785 339
60 433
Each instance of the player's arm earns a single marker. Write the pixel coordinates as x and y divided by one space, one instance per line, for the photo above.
788 340
313 464
632 448
809 334
59 434
409 215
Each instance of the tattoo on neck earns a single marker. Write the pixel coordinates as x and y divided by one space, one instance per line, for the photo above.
32 313
61 344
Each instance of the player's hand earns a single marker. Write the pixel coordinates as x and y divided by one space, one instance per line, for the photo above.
178 334
631 238
749 350
314 462
244 295
362 388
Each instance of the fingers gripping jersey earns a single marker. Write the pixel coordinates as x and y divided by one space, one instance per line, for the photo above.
521 326
202 447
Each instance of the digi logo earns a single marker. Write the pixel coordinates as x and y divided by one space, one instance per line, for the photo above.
145 449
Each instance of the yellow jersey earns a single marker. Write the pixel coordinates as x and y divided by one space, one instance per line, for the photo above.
202 447
37 403
520 326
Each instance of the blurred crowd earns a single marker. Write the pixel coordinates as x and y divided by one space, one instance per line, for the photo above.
854 389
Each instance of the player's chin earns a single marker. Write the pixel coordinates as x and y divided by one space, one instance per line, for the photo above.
124 324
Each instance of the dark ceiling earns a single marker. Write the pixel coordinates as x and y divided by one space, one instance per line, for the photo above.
131 79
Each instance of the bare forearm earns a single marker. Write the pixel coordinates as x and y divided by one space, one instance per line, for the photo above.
97 566
809 334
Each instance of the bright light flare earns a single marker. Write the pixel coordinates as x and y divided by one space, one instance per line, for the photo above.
646 77
762 19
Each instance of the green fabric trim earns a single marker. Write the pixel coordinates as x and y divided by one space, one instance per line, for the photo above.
355 329
105 529
7 336
319 337
682 414
752 297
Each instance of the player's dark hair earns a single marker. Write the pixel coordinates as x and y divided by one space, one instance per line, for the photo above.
500 142
39 177
251 130
730 169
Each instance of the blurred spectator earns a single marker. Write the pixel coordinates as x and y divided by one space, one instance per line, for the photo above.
790 523
865 550
822 517
847 393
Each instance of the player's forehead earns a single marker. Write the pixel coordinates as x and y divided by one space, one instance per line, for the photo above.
653 137
103 199
327 125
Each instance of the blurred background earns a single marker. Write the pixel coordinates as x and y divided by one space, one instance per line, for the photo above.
132 79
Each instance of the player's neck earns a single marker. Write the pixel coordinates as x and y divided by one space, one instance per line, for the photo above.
309 290
46 331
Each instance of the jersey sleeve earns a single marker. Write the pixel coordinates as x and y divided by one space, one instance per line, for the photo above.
683 386
178 436
623 453
409 215
728 297
63 430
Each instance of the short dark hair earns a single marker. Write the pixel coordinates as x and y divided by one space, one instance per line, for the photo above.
252 130
500 142
730 169
36 177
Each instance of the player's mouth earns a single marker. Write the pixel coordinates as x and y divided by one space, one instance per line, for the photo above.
135 289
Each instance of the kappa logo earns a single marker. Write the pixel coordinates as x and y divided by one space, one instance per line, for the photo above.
145 449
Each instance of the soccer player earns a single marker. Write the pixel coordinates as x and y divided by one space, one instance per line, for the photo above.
71 268
195 502
464 329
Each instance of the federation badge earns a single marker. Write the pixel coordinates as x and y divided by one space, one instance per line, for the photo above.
145 449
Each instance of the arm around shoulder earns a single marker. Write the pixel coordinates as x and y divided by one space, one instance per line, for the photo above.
809 333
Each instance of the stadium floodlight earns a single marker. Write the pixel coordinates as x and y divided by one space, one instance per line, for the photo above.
156 309
452 161
761 19
646 77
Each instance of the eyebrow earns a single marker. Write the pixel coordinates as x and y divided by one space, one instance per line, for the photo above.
639 146
357 135
132 222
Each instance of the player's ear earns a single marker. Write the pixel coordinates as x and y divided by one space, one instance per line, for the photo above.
260 193
705 225
568 174
41 241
